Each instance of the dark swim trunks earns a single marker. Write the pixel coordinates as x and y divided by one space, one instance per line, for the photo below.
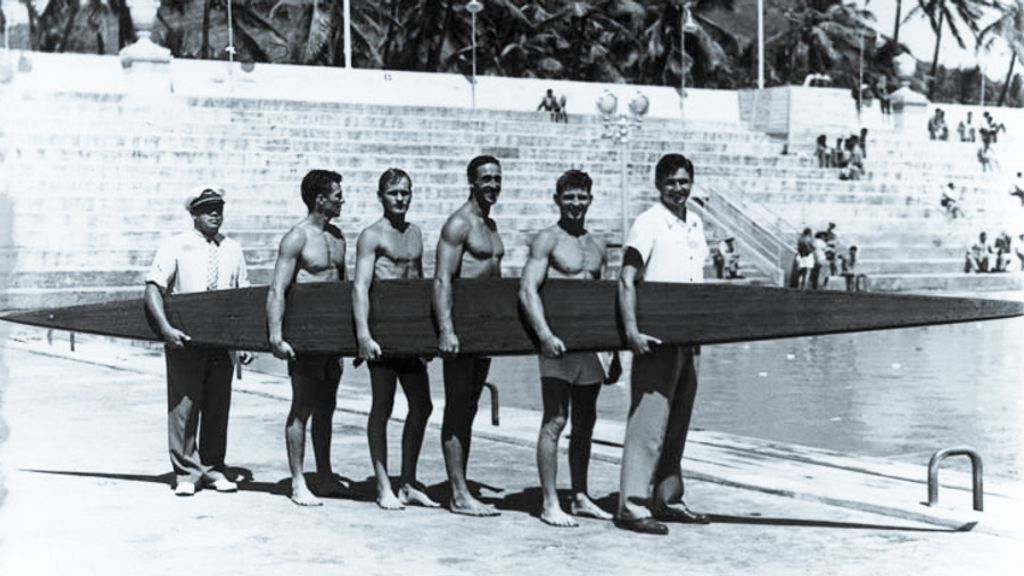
399 365
322 367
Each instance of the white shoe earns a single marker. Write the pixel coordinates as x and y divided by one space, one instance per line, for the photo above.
222 484
185 489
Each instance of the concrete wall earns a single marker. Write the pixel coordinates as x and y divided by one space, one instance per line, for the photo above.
89 73
784 110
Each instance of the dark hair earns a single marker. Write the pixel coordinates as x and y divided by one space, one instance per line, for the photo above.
317 183
573 179
392 176
478 162
823 140
806 231
669 165
853 248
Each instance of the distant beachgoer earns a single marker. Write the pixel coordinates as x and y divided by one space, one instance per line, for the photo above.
884 99
549 104
819 271
831 243
1017 188
937 129
966 129
985 156
727 260
822 152
863 142
953 210
978 255
804 261
849 268
1020 251
852 160
1003 253
562 115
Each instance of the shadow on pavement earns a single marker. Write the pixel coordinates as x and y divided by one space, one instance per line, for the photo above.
810 523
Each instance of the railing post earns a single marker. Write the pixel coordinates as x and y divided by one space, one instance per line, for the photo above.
494 403
976 473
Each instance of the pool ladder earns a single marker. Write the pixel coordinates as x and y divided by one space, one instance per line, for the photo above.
933 474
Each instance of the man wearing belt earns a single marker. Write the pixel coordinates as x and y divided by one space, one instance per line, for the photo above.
665 244
198 379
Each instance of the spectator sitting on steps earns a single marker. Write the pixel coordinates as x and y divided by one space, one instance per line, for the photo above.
550 104
1017 188
937 129
561 115
822 152
726 260
953 210
1003 253
852 160
1020 251
978 255
966 129
985 155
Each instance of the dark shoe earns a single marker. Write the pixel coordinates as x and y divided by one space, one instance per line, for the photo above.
642 525
681 514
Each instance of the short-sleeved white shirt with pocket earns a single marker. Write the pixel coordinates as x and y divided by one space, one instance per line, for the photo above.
673 250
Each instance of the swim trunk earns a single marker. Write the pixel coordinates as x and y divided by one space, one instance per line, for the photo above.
322 367
399 365
580 368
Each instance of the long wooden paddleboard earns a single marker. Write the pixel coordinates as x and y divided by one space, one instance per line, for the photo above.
488 319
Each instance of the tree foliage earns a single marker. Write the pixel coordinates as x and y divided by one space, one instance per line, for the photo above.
634 41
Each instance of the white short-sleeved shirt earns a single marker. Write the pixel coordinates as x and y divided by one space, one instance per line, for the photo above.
672 250
181 264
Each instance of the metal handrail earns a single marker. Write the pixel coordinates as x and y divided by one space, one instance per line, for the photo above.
494 403
976 472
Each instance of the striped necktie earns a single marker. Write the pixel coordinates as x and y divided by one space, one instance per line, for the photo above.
212 264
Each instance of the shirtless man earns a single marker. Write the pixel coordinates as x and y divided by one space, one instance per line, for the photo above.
565 250
312 251
392 248
469 247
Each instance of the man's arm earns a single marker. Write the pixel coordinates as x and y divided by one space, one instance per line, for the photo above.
155 305
366 256
342 269
534 273
449 254
632 262
284 270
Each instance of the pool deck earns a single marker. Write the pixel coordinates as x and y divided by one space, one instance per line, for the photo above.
86 489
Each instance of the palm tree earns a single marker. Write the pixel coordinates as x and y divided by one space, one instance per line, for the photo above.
823 37
1010 29
955 14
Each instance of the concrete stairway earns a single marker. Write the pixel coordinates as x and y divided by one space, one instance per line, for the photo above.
93 182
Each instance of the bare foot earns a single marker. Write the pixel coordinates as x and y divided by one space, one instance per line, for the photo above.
411 494
330 487
386 499
555 516
471 507
584 507
303 497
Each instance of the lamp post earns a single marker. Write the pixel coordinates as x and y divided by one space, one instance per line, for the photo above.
144 49
686 25
760 44
618 127
231 38
474 7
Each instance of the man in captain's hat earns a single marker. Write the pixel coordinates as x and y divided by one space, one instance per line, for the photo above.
198 379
